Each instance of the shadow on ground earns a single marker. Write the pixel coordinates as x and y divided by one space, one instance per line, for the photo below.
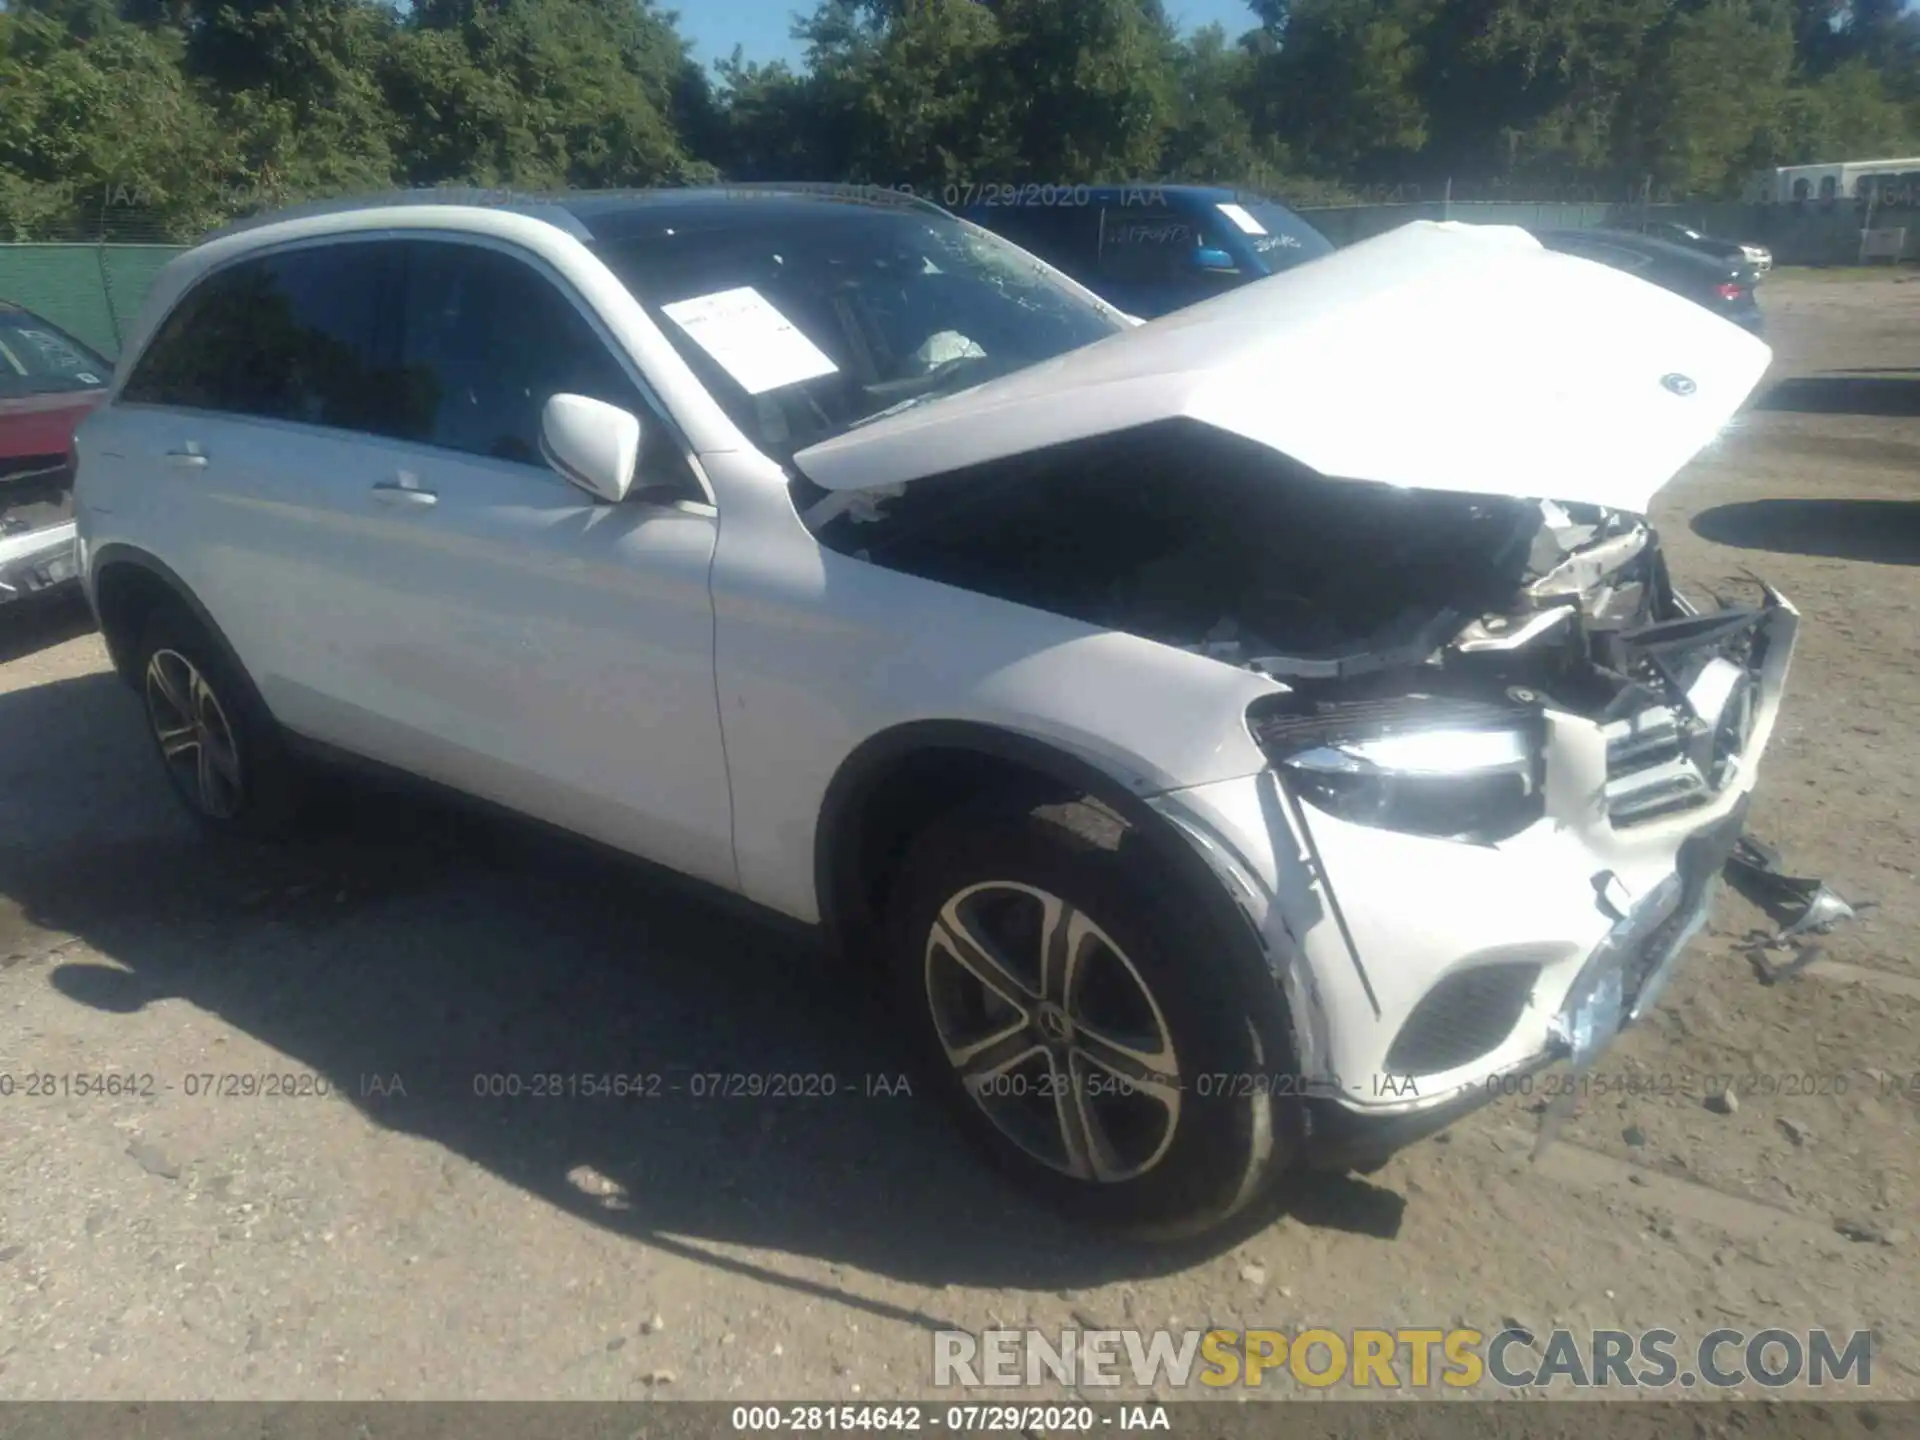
39 622
413 940
1858 393
1885 531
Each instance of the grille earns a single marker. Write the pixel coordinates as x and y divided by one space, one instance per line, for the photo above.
1666 758
1649 769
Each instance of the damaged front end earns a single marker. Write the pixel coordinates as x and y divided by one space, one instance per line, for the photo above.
1506 758
1591 628
36 525
1598 712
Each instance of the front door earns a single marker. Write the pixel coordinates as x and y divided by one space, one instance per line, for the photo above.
499 629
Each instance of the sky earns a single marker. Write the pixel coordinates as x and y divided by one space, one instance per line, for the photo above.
760 27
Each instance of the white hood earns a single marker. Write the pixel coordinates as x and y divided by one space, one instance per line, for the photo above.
1439 356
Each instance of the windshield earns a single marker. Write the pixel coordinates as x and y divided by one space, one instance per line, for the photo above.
1285 240
39 359
808 319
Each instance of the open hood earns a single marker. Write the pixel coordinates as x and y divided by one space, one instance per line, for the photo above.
1439 356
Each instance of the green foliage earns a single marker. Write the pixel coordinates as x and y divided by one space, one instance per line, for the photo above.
159 118
1716 96
102 124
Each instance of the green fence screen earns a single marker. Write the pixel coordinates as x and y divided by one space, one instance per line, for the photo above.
93 291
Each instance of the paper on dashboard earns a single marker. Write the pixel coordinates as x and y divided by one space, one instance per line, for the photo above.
749 339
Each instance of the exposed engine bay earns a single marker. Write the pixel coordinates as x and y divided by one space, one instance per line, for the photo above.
1345 593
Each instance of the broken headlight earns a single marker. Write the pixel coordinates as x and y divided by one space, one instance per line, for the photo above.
1420 764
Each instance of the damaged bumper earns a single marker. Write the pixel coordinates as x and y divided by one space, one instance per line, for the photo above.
1425 974
36 560
36 527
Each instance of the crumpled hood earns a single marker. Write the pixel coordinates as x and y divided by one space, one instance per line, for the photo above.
1440 356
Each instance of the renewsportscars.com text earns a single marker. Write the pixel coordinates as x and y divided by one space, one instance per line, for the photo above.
1401 1358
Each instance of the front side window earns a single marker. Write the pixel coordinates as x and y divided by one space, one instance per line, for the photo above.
38 358
295 336
488 340
805 319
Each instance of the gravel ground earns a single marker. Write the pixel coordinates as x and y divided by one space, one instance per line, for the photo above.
401 1237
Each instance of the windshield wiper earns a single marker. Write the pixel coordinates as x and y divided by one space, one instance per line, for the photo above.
895 409
938 392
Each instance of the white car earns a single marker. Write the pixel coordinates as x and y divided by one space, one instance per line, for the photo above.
1246 739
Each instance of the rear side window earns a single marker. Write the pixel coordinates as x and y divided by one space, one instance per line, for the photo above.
1142 244
294 336
488 339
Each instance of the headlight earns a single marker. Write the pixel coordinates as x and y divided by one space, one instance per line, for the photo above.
1420 764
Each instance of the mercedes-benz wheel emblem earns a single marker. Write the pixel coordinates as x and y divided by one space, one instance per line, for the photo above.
1055 1027
1678 384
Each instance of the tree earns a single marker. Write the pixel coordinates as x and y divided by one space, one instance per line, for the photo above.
1336 82
904 93
1086 87
539 94
1712 96
102 131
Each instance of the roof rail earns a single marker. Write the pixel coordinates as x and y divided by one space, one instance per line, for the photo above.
538 207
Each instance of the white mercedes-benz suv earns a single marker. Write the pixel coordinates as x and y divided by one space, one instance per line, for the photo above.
1244 739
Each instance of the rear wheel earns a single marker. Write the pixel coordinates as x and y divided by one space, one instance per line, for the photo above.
1083 1028
220 748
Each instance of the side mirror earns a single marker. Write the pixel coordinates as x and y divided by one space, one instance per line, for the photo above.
591 444
1207 258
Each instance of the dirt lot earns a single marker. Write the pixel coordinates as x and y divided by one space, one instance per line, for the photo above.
402 1237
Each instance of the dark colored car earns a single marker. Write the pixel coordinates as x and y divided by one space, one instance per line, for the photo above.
48 383
1150 249
1689 238
1725 287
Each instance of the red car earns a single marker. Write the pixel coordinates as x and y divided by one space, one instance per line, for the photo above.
48 383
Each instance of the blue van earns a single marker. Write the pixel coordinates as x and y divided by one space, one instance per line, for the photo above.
1150 249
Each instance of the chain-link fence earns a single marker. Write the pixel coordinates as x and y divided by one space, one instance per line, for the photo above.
94 292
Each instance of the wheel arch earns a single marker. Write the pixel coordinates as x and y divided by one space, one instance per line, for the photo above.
125 584
901 779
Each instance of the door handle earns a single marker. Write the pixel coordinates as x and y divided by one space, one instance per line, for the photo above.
187 457
395 492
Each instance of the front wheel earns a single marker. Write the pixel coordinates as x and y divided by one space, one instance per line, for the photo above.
1084 1028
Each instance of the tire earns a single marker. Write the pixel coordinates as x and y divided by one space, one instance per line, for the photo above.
1163 1140
219 747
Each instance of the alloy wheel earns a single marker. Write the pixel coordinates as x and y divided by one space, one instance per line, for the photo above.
1053 1031
196 740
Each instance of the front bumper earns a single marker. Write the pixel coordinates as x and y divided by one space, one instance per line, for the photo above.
1649 941
1422 973
36 560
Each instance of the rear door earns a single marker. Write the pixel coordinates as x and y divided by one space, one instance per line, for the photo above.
238 443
